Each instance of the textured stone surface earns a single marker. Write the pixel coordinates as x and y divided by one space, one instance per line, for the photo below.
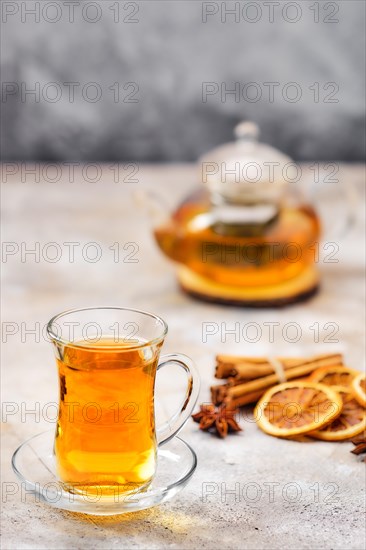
169 52
293 494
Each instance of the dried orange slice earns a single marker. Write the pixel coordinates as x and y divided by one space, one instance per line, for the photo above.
358 387
338 375
297 407
351 421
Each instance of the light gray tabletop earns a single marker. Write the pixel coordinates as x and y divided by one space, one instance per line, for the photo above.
291 494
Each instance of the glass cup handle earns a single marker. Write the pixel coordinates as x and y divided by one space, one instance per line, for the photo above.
170 428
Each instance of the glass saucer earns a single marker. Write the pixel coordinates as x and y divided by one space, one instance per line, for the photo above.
34 464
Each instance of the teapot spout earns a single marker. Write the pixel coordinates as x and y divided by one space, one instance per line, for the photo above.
154 205
162 225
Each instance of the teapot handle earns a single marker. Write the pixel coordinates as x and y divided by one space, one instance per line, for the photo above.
336 202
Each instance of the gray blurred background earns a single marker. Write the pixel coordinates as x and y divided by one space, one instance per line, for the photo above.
149 80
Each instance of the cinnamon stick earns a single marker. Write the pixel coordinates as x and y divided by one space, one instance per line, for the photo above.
238 394
248 368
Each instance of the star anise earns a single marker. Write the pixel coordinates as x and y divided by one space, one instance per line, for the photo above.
217 419
360 446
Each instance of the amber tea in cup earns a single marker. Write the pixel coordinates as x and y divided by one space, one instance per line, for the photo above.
106 439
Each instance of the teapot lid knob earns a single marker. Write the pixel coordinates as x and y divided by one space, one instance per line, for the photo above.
247 130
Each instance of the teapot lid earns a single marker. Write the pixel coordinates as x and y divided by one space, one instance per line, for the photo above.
246 170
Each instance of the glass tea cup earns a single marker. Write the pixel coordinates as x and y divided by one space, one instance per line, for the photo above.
106 438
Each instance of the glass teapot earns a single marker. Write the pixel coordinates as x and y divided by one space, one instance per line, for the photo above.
248 236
